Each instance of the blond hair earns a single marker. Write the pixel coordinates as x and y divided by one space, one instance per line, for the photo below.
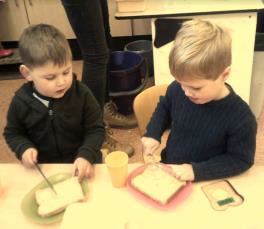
41 44
201 50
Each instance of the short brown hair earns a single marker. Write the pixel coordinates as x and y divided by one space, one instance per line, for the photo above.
201 50
40 44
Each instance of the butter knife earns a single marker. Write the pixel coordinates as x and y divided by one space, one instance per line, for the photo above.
45 178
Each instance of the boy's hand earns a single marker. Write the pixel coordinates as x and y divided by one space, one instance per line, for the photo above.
82 168
149 145
184 172
29 157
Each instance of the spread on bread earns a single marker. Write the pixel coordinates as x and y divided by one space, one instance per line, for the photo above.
68 191
157 184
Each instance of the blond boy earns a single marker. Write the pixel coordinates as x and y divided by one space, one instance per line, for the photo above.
213 131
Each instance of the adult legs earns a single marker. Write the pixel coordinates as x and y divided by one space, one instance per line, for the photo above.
86 19
111 116
90 23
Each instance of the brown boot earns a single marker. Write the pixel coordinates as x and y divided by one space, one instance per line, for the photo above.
115 119
113 145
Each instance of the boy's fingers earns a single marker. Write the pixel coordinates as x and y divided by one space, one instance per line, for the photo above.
81 171
30 164
153 149
34 156
183 178
81 176
24 161
27 160
82 168
74 170
149 150
89 171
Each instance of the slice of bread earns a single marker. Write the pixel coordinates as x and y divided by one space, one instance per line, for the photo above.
157 184
68 191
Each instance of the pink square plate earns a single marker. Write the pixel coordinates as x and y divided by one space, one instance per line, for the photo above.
175 200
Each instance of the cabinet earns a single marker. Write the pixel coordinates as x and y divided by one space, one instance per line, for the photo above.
13 19
119 28
141 26
127 27
50 12
15 15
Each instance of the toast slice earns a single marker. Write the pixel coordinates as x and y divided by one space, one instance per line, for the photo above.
157 184
68 191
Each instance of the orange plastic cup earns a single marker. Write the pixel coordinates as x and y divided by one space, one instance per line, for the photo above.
117 163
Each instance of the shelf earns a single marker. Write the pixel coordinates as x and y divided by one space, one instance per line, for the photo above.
13 59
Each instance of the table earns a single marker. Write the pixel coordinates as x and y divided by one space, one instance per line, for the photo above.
240 16
196 211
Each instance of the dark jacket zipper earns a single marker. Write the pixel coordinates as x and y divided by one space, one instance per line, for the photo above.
51 114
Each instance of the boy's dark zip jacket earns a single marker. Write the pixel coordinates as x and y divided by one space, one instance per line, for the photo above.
70 127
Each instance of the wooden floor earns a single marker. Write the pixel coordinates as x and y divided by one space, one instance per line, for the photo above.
8 87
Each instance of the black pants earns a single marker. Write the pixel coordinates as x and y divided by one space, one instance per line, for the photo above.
90 22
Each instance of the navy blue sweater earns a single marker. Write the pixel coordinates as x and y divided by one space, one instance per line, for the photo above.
218 138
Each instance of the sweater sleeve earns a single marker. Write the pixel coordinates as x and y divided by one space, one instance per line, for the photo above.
14 132
239 155
161 117
94 130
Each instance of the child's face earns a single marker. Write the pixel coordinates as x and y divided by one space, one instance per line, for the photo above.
201 91
51 80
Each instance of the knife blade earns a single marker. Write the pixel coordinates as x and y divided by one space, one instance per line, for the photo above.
45 178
